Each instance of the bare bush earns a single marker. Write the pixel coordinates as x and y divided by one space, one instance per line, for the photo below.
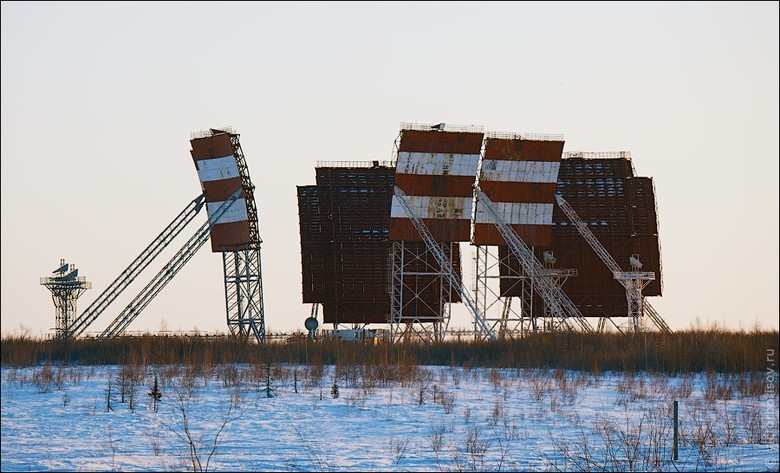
399 449
43 379
202 448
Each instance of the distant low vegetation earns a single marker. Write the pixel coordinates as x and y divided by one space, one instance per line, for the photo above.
682 352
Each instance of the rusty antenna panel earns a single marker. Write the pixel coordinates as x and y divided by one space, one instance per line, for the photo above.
222 169
619 208
436 166
345 249
235 233
518 173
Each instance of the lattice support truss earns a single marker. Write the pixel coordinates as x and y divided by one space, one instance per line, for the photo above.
513 321
483 330
502 317
167 273
64 296
561 307
633 281
80 324
557 277
407 291
244 293
249 191
651 313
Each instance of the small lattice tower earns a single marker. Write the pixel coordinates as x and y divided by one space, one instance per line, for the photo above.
66 286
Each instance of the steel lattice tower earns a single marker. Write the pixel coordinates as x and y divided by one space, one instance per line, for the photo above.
222 169
66 287
244 292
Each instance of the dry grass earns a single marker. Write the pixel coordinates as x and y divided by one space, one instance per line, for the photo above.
683 352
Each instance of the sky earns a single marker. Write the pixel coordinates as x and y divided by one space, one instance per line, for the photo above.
99 100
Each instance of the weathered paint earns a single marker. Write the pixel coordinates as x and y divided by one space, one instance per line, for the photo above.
402 229
436 169
216 191
235 213
217 168
532 235
519 171
452 208
229 236
523 150
345 252
211 147
440 164
620 211
518 213
440 142
448 186
219 178
520 176
531 192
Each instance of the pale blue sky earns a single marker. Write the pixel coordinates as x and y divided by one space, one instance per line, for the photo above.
99 99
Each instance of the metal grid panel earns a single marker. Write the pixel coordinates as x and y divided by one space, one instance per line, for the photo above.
515 170
435 162
214 146
312 249
344 227
620 210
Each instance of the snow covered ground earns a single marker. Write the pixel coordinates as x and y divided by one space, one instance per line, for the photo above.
434 419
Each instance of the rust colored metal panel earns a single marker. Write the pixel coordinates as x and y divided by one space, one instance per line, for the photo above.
308 214
217 191
439 208
356 313
620 210
345 251
436 169
229 236
426 262
606 168
313 264
380 177
344 221
642 213
523 150
533 192
520 176
532 235
222 170
402 229
437 164
208 147
354 203
649 251
427 185
356 291
440 142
